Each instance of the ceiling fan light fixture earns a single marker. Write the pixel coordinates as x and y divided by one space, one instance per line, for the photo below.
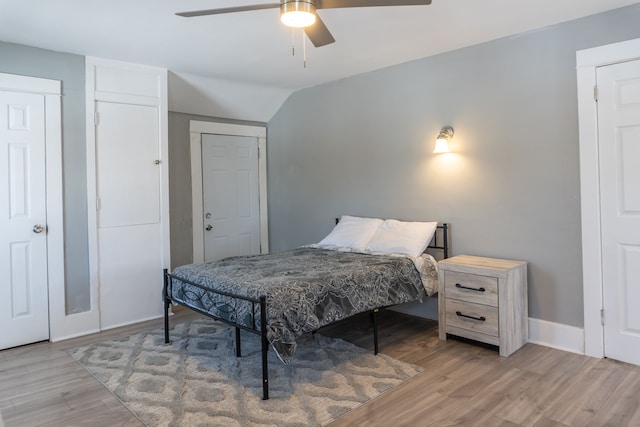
298 14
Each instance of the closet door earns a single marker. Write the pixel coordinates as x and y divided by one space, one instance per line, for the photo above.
128 213
619 164
24 302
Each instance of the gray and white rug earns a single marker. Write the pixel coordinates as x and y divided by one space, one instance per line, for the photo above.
197 380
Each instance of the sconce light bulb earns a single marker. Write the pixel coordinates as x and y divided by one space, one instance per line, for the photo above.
442 142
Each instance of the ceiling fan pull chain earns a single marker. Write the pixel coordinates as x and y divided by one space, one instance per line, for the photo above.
293 41
304 48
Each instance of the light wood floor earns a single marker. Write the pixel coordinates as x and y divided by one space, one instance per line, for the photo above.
463 384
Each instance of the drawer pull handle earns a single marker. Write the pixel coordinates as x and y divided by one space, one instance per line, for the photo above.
481 318
459 286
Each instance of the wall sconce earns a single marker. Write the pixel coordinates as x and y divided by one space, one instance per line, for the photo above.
442 142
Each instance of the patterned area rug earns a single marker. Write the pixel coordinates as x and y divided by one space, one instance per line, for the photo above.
197 380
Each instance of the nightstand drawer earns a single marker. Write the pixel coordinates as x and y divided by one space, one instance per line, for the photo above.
471 287
475 317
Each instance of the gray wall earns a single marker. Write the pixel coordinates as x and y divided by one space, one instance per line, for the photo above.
70 69
362 146
180 212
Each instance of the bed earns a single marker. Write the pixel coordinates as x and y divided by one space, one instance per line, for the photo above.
363 265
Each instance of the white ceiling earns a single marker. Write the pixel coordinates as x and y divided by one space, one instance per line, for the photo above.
240 66
255 48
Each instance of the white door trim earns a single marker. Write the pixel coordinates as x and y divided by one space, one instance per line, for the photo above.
196 129
587 61
51 90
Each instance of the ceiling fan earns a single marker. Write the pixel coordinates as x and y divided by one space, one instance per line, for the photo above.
302 13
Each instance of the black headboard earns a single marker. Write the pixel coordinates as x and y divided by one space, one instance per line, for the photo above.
441 242
440 239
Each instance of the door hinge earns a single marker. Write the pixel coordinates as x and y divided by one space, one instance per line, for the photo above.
96 118
602 316
97 204
595 93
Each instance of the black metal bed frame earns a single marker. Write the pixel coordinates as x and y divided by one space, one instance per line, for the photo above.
261 302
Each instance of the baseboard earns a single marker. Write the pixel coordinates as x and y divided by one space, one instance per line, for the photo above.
74 325
74 335
81 333
132 322
556 335
542 332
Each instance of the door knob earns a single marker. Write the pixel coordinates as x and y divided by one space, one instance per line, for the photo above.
208 227
38 228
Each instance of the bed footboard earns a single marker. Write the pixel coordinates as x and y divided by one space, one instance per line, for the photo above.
260 329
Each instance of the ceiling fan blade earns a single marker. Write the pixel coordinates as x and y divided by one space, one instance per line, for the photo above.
228 10
319 34
335 4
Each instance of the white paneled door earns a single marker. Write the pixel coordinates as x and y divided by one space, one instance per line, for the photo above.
128 213
24 313
230 196
619 153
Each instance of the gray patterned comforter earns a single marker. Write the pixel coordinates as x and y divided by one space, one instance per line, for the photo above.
306 288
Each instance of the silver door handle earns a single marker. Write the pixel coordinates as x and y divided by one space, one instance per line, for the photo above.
208 227
38 228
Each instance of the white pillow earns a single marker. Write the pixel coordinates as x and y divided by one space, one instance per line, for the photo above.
352 232
400 237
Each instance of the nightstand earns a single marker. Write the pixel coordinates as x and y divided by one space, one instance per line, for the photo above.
484 299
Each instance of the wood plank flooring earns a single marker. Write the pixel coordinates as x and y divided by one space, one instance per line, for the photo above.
463 384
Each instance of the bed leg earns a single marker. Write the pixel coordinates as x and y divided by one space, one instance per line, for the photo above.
238 350
374 318
265 369
166 322
265 348
166 306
